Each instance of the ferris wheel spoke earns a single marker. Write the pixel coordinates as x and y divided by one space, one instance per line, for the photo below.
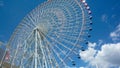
69 42
28 59
53 61
70 51
68 32
24 51
74 34
30 18
14 57
23 59
13 44
64 53
49 51
57 54
43 50
24 31
58 42
65 26
28 24
66 9
39 61
23 25
62 27
72 44
68 37
54 52
28 63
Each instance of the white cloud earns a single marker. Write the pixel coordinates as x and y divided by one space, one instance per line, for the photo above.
88 55
108 56
92 45
115 35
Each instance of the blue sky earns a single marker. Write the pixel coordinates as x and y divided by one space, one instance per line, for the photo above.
11 13
106 21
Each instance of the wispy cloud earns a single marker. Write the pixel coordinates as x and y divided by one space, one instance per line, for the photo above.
1 3
107 57
110 19
115 35
104 18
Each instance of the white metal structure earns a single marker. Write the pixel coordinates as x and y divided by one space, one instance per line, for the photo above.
51 35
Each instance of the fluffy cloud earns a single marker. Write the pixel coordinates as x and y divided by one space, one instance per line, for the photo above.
88 55
115 35
108 56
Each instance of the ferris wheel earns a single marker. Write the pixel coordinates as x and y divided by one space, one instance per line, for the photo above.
50 36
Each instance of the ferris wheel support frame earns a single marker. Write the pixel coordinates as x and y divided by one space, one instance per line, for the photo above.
36 45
